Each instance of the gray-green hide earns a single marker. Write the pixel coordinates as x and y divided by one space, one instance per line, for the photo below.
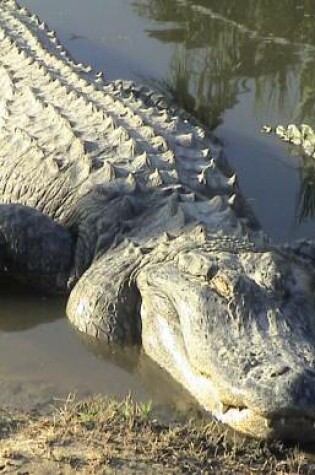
108 192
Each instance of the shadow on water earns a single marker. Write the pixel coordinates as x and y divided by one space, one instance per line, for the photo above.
25 317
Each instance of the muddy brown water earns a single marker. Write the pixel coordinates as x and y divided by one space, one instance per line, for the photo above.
237 64
44 360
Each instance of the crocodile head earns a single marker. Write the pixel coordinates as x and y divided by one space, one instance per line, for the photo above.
234 324
232 320
237 329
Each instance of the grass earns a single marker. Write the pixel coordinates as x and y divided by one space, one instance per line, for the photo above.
101 436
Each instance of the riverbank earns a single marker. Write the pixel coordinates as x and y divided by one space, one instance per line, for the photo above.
104 436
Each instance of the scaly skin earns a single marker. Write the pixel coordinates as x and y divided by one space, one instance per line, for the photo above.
127 202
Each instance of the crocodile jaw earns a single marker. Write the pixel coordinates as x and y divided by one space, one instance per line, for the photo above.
241 419
259 380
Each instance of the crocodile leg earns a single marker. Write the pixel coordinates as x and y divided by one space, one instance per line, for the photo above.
34 249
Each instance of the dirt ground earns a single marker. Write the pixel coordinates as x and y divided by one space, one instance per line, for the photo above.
103 436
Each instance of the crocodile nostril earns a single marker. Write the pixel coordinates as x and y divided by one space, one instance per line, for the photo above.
280 371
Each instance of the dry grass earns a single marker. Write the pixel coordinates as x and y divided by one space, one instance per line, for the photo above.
105 436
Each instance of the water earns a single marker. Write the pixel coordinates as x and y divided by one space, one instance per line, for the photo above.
236 64
42 358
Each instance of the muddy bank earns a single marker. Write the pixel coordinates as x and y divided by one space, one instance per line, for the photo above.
100 436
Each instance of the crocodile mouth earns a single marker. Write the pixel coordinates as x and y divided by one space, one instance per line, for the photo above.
214 398
286 427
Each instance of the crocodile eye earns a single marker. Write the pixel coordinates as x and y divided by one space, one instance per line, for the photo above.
222 285
229 284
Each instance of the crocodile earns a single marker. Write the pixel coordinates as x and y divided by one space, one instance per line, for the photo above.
125 203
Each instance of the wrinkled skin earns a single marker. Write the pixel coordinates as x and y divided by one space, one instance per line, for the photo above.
129 205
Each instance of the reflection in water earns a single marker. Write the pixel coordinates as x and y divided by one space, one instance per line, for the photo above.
164 389
207 93
25 316
42 357
225 43
126 357
306 197
225 47
285 22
